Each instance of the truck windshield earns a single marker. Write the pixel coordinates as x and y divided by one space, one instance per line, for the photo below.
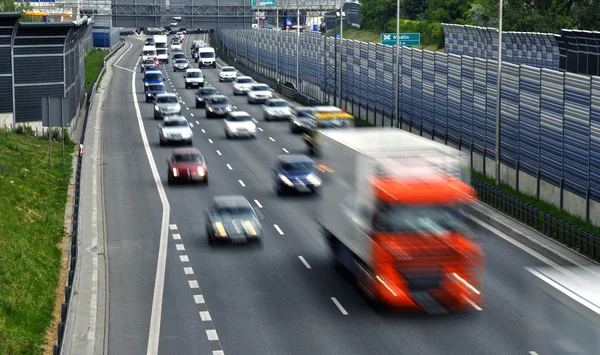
207 55
161 45
410 219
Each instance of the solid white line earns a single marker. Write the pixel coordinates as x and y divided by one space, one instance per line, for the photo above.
258 204
161 263
218 152
120 67
339 306
242 183
198 299
179 247
271 138
285 150
205 316
172 227
203 131
304 262
193 284
184 258
260 129
212 335
210 141
278 229
188 270
229 167
191 125
473 304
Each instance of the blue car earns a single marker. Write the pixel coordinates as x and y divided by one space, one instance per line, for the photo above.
153 77
295 173
154 89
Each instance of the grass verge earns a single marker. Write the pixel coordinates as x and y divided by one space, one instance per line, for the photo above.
94 61
32 209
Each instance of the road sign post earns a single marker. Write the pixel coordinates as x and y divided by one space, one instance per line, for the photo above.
406 39
55 113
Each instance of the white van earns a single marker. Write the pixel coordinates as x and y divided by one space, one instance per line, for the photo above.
207 57
149 52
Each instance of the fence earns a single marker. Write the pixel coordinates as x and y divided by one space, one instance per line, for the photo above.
550 133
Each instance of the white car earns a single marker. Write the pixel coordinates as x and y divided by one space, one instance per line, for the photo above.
175 46
276 109
239 124
193 78
259 93
242 85
227 74
175 129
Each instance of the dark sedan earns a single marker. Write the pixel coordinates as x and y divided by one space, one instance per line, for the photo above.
154 89
187 164
148 64
232 218
203 94
300 119
295 173
217 106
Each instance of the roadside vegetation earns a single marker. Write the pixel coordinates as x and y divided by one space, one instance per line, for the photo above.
32 210
93 62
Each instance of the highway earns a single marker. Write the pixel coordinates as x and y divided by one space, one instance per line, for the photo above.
280 297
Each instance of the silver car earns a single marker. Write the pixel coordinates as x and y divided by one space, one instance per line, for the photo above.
242 85
276 109
180 64
175 129
166 105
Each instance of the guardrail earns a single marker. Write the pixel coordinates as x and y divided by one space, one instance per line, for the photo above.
74 252
567 233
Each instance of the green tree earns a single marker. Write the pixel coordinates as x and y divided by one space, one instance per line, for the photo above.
413 9
20 7
375 13
448 11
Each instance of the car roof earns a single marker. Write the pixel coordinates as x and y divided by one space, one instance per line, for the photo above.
175 118
276 99
257 84
193 70
227 67
289 158
152 72
230 200
244 77
239 113
182 151
166 94
218 96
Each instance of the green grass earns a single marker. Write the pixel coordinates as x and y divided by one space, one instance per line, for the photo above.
32 209
542 205
373 37
94 61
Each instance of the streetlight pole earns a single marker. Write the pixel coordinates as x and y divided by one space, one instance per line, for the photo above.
277 52
298 48
498 94
398 64
341 40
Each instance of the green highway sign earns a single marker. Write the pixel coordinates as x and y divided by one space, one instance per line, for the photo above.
264 3
406 39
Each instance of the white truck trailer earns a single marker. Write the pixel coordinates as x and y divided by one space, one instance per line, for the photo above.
162 48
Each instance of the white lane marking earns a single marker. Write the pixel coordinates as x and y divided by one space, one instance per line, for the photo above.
218 352
187 108
197 122
254 120
235 107
183 102
304 261
210 141
172 227
179 247
193 284
161 263
198 299
339 306
177 236
242 183
258 204
271 138
191 125
473 304
211 334
278 229
533 353
285 150
184 258
219 152
203 131
188 270
120 67
205 316
191 114
229 167
260 129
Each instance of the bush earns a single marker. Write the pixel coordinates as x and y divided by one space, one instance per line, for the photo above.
432 33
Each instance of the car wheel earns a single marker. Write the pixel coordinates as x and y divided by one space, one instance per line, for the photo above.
202 85
205 182
227 135
278 189
189 142
197 105
147 100
162 143
210 238
170 180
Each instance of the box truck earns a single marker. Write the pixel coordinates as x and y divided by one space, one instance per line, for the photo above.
391 212
162 48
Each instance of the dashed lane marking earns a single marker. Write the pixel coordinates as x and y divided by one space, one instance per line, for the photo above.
271 138
184 258
211 334
179 247
177 236
278 229
258 204
242 183
191 125
229 167
260 129
203 131
210 141
198 299
339 306
304 261
193 284
197 122
285 150
172 227
191 114
219 152
205 316
188 270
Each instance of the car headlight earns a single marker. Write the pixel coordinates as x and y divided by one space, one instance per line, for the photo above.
313 180
231 129
156 108
148 94
220 229
252 129
286 180
175 172
187 80
228 108
165 134
200 171
178 108
249 228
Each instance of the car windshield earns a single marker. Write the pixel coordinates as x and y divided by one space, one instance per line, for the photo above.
244 81
175 41
147 53
219 101
297 166
205 92
148 61
161 45
303 112
194 74
240 118
187 158
181 61
234 211
179 56
228 69
161 51
407 219
207 55
167 100
156 88
175 123
154 77
260 88
279 104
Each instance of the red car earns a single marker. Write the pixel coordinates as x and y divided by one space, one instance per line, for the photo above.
187 164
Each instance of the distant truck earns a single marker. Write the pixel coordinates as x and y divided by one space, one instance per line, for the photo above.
566 307
391 213
162 46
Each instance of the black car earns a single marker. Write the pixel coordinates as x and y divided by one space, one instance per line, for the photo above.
150 91
300 119
179 56
202 94
148 64
295 173
217 105
232 219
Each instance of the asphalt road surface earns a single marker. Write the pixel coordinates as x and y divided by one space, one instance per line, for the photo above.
281 297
